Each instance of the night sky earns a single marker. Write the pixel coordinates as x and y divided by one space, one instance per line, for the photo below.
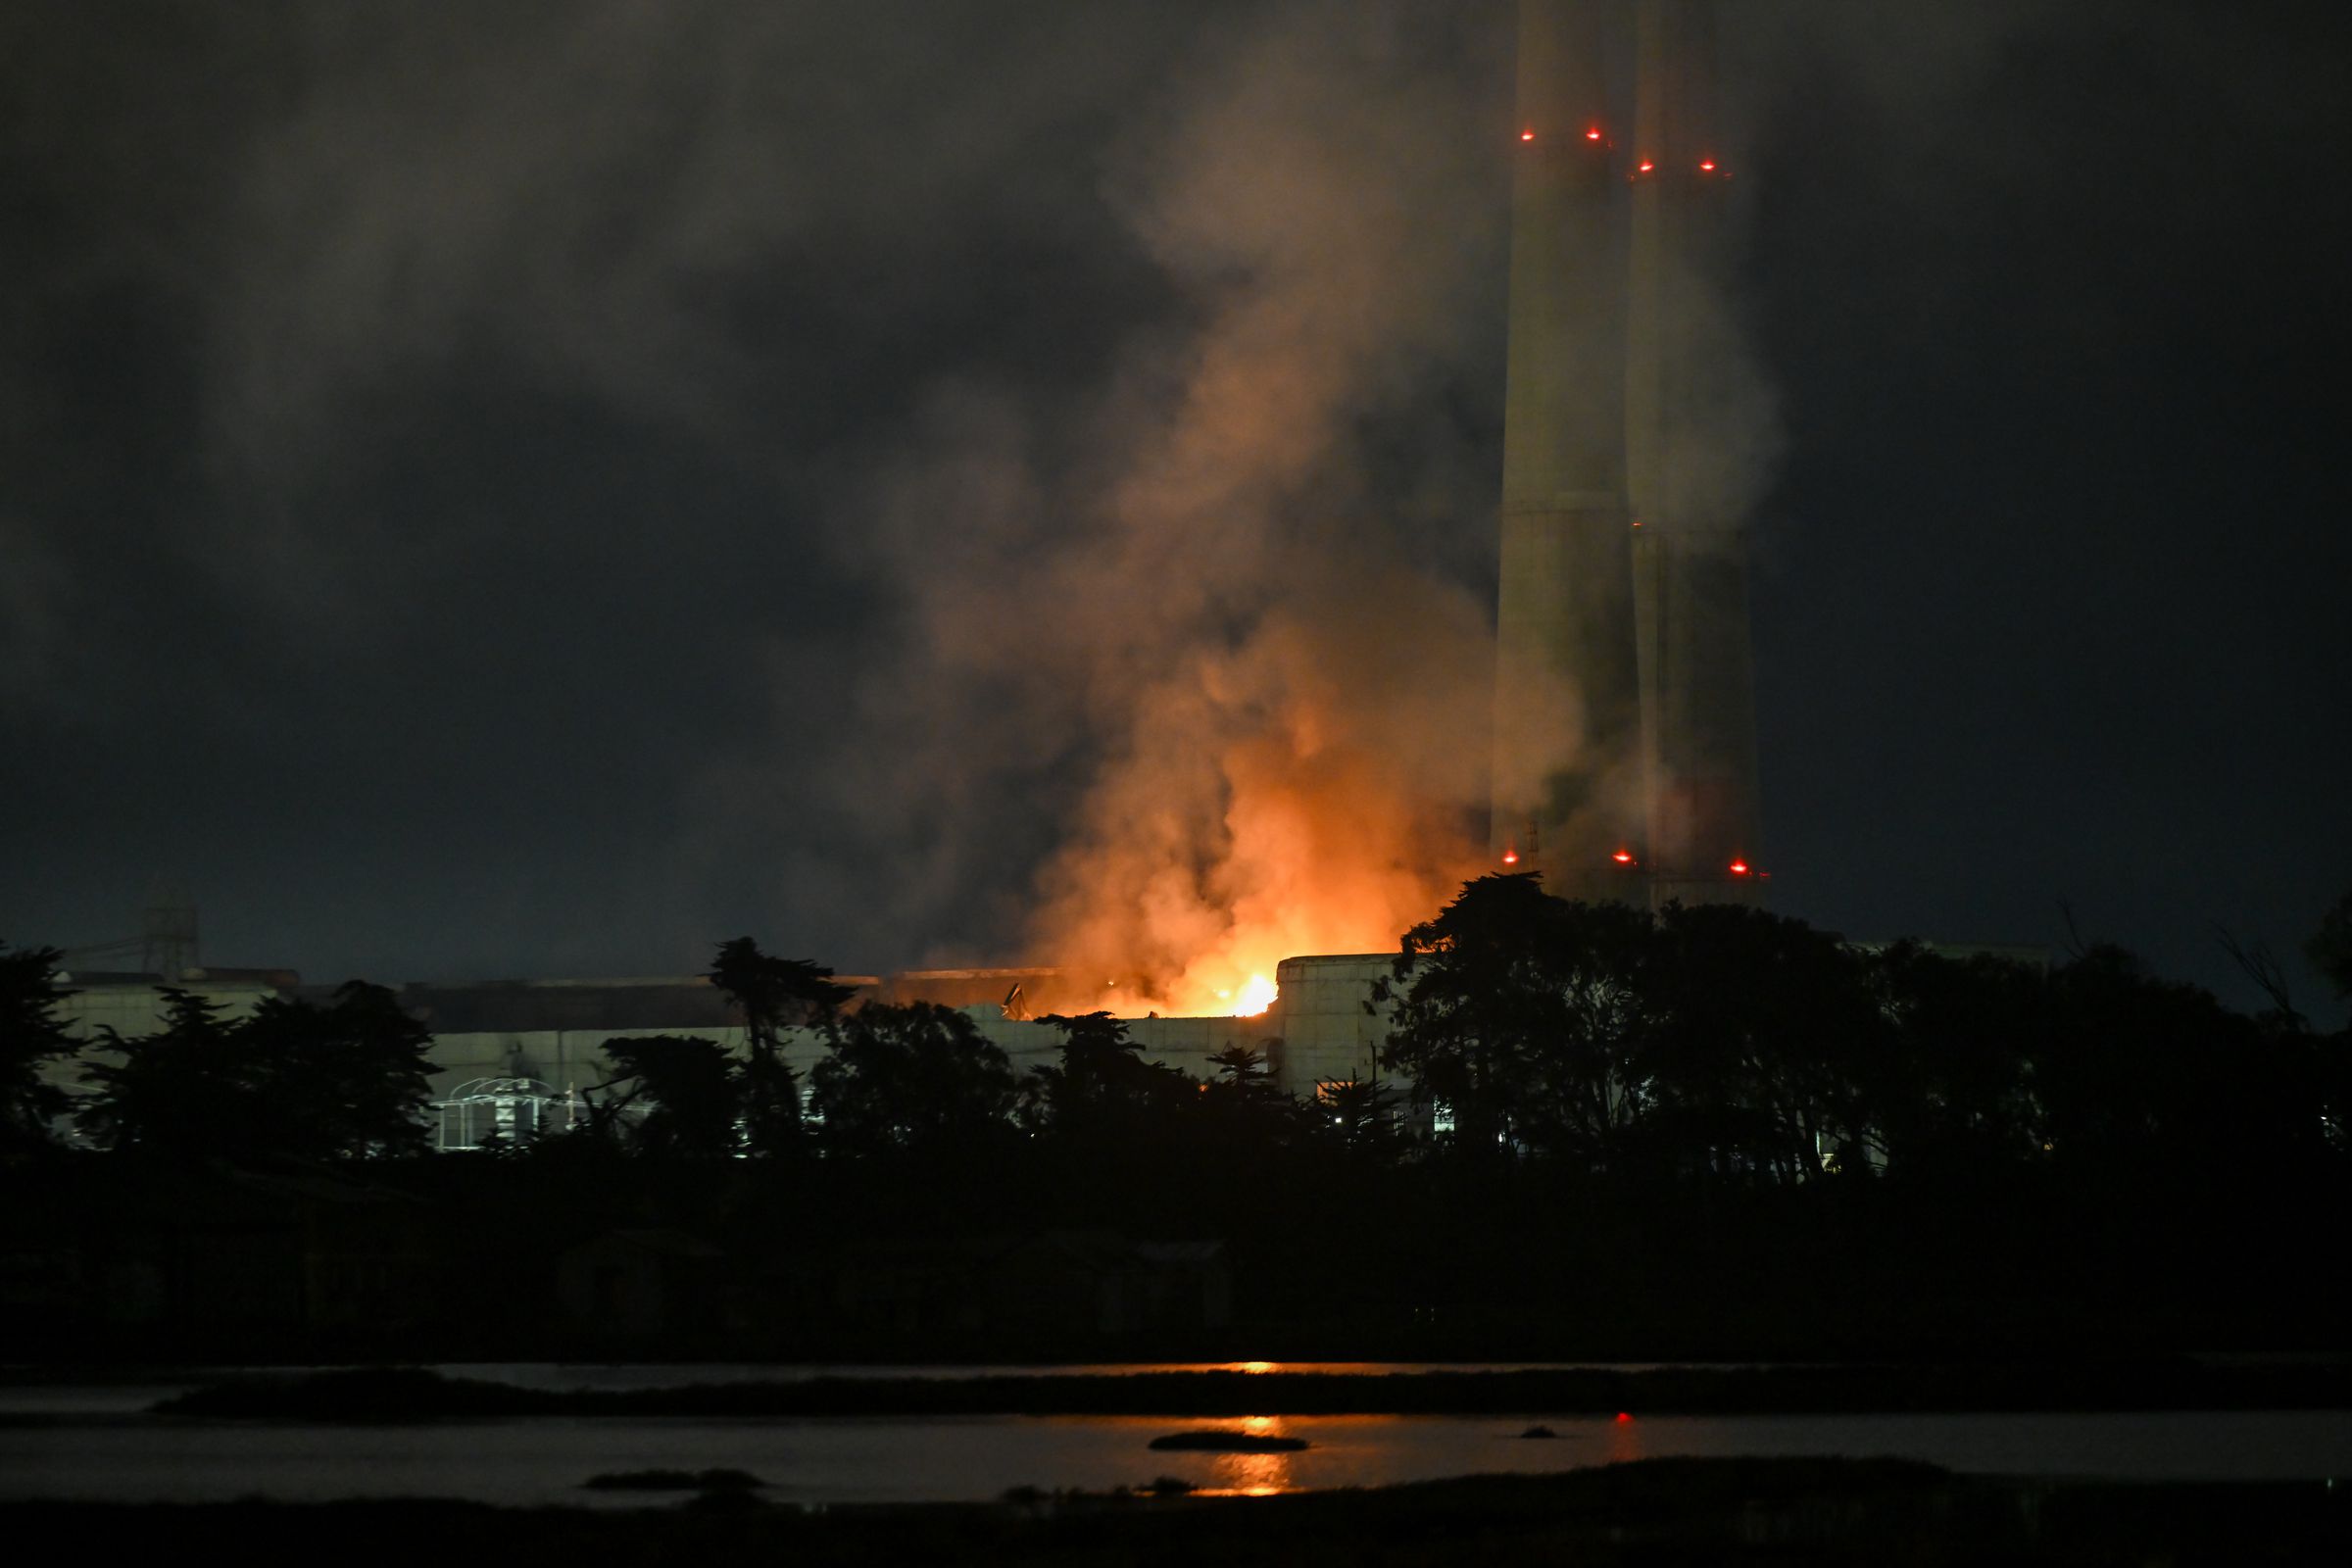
542 488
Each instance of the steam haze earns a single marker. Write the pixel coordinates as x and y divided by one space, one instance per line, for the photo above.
542 488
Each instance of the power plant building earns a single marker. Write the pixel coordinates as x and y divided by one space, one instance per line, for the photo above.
514 1057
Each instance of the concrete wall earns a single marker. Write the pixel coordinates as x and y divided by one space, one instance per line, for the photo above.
136 1008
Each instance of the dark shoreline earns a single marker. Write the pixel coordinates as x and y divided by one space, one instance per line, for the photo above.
1657 1511
407 1395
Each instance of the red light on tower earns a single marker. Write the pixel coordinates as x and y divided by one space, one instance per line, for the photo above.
1527 135
1707 165
1592 133
1646 168
1510 856
1739 868
1623 857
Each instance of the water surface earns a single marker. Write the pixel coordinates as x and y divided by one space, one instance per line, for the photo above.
124 1457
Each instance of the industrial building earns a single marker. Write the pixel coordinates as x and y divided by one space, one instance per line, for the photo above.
511 1058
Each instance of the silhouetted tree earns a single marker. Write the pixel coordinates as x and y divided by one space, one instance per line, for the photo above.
342 1081
188 1090
1359 1118
31 1035
1244 1114
774 995
688 1094
2331 947
32 1038
1521 1012
1102 1084
294 1080
919 1077
1767 1052
1958 1102
2138 1078
1242 1070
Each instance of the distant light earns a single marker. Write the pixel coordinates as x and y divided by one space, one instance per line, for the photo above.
1707 165
1739 869
1625 1415
1646 166
1592 133
1510 856
1623 857
1527 135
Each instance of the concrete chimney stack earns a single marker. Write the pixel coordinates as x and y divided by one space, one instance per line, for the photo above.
1567 707
1625 717
1689 553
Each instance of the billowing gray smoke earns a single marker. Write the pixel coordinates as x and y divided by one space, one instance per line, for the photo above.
929 480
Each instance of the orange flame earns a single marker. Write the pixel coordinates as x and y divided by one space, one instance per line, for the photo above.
1296 793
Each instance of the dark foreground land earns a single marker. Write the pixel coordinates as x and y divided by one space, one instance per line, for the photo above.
1813 1512
413 1395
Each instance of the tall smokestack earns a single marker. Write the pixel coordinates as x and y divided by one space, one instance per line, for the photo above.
1568 710
1690 548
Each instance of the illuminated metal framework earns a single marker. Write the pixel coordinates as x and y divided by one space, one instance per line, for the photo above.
511 1110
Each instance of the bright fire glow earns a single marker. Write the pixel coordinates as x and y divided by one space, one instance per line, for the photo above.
1295 794
1257 996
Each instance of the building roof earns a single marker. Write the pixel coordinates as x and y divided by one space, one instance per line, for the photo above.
525 1006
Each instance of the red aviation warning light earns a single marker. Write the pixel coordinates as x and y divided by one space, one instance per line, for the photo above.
1510 856
1707 165
1623 857
1528 135
1591 133
1739 868
1646 167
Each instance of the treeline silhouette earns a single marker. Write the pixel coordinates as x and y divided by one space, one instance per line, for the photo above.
1710 1131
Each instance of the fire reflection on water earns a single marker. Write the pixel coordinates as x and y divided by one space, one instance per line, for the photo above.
1253 1475
1625 1440
1342 1450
